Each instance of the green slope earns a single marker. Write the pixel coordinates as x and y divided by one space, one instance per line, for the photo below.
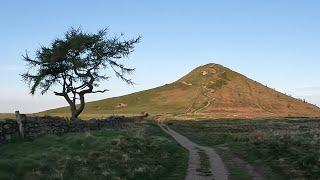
151 101
175 98
209 91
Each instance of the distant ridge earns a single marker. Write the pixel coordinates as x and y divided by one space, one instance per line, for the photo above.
209 91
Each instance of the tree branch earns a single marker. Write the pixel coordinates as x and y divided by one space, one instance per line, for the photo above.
100 91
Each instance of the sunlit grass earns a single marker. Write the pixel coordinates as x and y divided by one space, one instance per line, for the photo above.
141 151
7 116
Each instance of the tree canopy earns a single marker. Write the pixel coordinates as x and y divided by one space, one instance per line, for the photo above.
76 65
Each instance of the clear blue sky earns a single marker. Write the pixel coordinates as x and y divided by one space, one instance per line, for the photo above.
276 42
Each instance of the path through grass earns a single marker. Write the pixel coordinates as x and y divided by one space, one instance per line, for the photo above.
276 149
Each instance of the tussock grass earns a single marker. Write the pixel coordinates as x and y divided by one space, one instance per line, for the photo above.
283 148
141 151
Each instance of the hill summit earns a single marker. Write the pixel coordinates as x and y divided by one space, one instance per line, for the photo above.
209 91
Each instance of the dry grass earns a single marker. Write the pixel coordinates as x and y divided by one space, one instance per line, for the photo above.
7 116
235 96
288 148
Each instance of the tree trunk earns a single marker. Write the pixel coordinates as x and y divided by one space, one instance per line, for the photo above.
73 111
82 105
73 107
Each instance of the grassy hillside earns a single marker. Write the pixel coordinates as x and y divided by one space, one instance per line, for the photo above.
151 101
141 151
209 91
7 116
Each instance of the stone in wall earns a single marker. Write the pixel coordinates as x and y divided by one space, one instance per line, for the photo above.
35 126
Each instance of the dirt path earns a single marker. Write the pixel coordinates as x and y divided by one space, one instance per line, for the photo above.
210 100
217 168
205 92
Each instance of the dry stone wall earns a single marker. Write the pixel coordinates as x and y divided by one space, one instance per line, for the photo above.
35 127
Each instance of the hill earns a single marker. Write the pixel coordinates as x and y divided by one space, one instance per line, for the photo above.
7 116
209 91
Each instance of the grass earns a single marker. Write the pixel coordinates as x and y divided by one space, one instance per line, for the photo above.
204 164
230 90
236 171
166 99
7 116
218 84
150 101
282 149
141 151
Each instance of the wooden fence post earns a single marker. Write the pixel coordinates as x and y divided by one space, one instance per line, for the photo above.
19 121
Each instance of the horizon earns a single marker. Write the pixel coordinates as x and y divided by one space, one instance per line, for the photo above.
279 49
